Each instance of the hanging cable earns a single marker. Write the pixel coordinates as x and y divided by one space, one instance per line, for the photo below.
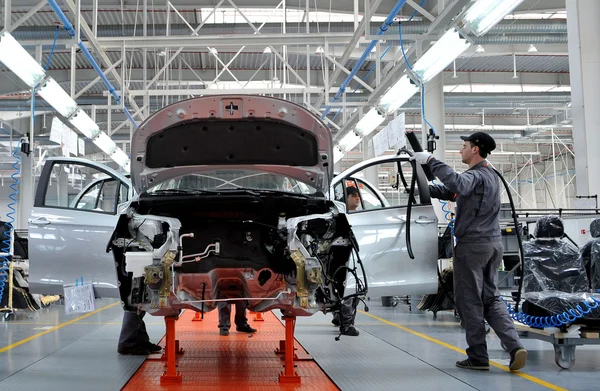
7 241
419 78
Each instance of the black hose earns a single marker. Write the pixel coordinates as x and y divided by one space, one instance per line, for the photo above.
409 209
519 238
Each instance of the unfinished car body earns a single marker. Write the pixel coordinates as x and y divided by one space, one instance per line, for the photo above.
232 206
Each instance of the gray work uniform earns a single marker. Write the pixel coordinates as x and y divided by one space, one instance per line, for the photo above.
133 331
477 255
225 314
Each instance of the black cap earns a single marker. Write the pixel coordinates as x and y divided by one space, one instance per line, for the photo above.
484 141
351 190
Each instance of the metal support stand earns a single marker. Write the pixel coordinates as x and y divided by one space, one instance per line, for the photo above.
289 375
197 317
258 317
171 375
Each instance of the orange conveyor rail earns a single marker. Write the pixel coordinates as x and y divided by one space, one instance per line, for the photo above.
206 360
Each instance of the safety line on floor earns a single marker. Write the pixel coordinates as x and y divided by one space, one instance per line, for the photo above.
462 351
28 339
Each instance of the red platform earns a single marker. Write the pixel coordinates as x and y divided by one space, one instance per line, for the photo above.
237 362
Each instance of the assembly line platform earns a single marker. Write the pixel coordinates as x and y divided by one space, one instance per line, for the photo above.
396 350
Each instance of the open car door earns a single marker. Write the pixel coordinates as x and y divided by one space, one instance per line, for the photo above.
77 204
380 222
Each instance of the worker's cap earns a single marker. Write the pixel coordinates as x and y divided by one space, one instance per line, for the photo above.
351 190
484 141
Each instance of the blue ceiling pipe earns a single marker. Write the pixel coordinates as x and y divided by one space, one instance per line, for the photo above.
388 22
69 27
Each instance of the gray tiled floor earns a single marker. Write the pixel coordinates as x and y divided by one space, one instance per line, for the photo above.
409 348
81 355
383 357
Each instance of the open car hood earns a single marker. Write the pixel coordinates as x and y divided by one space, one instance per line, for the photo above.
232 132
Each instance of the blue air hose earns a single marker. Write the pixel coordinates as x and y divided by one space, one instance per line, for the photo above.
6 243
418 77
566 317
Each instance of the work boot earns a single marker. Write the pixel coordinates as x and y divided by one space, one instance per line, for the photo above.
336 320
518 359
135 351
350 330
153 348
469 364
224 332
245 328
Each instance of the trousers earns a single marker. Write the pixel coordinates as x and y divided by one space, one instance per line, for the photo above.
477 297
224 308
133 330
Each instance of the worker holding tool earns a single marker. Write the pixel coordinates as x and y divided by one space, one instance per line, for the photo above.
478 251
241 322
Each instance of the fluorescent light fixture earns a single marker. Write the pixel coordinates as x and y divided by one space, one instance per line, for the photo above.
319 50
532 49
349 141
369 122
57 97
337 154
485 14
480 49
16 58
398 95
105 143
213 51
267 50
120 157
82 122
440 55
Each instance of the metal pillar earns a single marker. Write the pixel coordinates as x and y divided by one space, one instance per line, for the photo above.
434 111
26 192
584 59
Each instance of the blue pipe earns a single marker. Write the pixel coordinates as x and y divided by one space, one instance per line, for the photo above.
388 22
69 27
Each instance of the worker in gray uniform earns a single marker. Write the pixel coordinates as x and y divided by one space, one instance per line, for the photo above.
134 338
241 322
478 251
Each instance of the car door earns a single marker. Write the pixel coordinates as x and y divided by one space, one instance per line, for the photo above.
380 224
76 207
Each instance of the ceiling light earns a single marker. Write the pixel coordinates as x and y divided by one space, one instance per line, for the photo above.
162 53
120 157
369 122
480 49
337 154
436 59
82 122
532 49
105 143
19 61
267 50
319 50
349 141
57 97
398 95
213 51
485 14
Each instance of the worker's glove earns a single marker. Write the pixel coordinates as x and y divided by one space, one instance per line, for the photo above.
421 157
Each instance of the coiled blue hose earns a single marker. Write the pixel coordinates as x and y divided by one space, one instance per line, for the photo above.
568 316
6 243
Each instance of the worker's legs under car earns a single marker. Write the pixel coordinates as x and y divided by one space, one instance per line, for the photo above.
345 316
241 322
134 338
477 298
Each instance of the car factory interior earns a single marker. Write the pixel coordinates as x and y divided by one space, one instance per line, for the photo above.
299 195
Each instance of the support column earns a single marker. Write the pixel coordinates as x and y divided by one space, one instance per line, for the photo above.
434 111
26 191
584 62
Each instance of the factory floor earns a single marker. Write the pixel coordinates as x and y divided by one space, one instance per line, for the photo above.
397 349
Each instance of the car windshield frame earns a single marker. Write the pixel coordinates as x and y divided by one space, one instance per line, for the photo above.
278 183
